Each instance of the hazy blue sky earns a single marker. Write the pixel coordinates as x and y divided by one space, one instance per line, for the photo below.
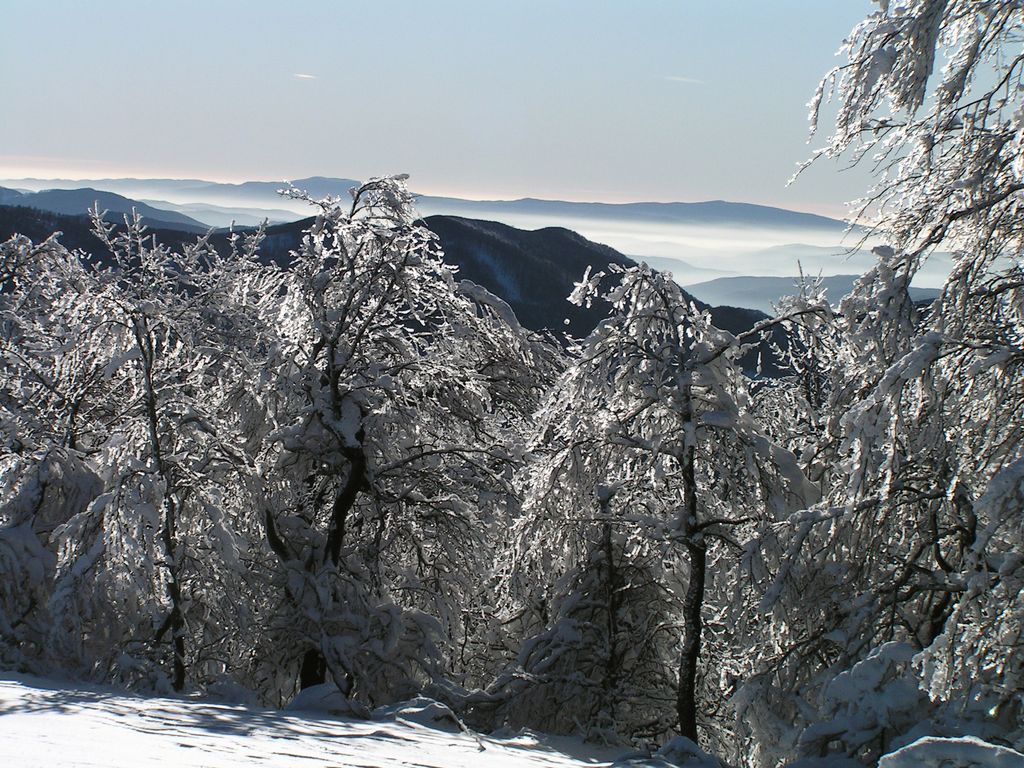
585 100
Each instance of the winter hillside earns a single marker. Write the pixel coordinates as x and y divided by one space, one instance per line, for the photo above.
320 465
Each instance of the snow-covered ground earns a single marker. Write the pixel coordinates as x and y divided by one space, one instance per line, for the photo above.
50 724
45 724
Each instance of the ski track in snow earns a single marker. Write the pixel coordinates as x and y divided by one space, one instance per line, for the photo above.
43 725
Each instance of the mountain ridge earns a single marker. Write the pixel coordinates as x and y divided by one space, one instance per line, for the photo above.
78 201
711 211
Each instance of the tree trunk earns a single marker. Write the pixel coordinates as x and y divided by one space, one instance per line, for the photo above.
693 600
613 664
176 620
693 605
345 499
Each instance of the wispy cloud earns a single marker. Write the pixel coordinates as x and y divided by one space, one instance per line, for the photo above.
681 79
303 76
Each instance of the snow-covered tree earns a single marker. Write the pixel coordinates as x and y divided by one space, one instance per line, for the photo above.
929 95
650 473
217 471
398 387
891 601
122 453
44 482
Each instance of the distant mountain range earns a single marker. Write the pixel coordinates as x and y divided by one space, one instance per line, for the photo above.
73 202
259 195
724 242
224 216
714 213
264 194
76 231
697 241
533 271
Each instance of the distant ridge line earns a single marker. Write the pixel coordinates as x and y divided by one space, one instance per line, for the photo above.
321 185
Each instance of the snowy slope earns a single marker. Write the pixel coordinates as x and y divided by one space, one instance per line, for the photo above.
47 724
44 726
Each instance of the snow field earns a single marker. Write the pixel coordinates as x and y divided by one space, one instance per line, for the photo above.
44 726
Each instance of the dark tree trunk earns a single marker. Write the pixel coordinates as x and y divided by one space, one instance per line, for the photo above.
179 652
693 600
177 618
613 666
693 623
175 622
345 499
